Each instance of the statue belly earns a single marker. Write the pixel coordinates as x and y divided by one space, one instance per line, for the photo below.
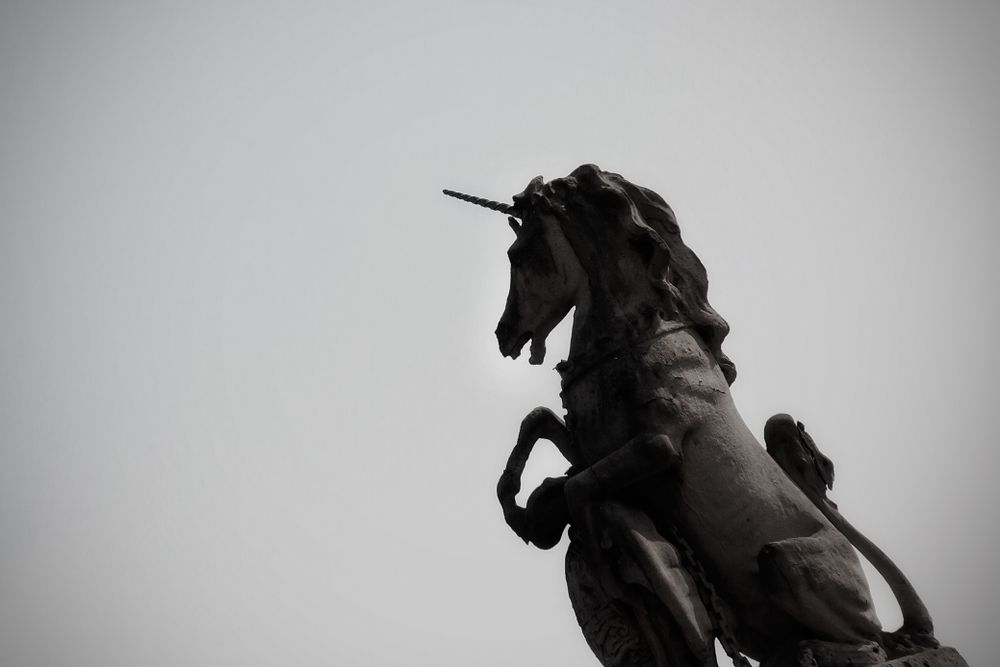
728 494
727 497
733 501
733 493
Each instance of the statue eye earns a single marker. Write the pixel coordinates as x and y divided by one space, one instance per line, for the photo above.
532 257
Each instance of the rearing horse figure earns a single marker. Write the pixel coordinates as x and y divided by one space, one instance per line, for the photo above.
682 527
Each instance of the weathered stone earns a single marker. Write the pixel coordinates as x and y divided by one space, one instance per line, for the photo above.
682 528
939 657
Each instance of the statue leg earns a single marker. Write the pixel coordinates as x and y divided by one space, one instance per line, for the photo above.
624 622
656 565
539 424
817 579
642 456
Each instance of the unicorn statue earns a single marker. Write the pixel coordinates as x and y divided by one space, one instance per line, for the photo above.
683 529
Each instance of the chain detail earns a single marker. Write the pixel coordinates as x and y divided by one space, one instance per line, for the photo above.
710 598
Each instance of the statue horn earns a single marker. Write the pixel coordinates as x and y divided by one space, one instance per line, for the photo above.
479 201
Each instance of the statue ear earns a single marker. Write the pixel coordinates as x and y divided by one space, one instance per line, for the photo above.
523 201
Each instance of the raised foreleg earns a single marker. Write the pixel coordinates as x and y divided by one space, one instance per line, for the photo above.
546 514
641 457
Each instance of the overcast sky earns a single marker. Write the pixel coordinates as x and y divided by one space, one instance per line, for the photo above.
251 408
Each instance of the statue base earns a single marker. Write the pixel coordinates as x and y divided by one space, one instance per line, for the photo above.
937 657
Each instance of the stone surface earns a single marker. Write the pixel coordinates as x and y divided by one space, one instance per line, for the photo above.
940 657
682 528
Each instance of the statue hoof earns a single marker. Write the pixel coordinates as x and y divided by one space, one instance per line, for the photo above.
547 514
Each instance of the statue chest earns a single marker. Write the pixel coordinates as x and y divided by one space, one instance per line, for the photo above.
662 386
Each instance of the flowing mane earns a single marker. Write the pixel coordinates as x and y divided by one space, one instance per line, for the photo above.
604 217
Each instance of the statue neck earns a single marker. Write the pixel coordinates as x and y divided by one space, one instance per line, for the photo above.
602 325
592 347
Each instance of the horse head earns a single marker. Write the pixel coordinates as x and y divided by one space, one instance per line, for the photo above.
597 240
546 278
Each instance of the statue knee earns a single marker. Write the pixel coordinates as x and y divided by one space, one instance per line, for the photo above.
657 449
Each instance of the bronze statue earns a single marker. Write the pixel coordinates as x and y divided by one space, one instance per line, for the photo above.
682 528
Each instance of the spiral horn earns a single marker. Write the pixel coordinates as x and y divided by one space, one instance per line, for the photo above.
486 203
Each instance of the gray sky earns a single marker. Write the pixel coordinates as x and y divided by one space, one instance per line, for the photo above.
251 408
